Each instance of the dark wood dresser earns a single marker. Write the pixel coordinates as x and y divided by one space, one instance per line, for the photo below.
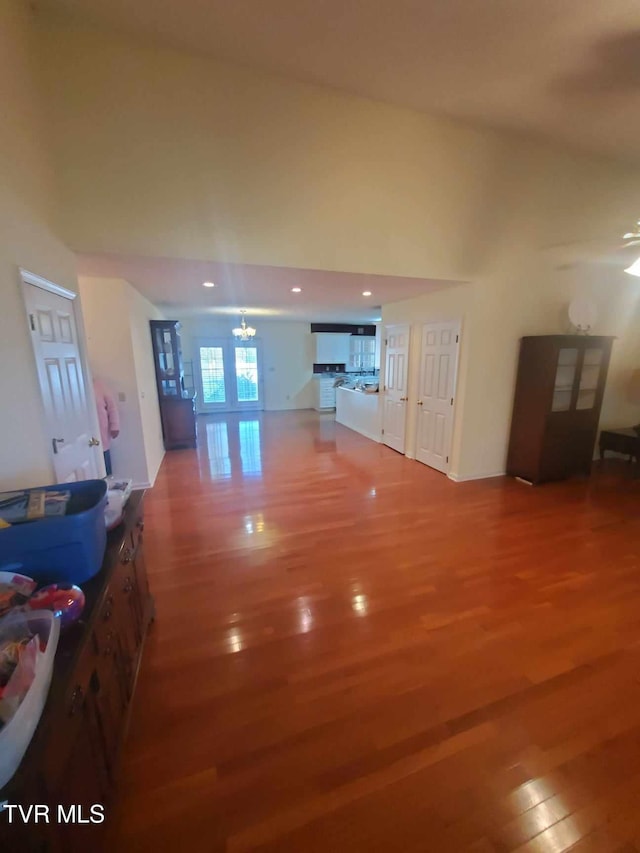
559 391
73 757
626 441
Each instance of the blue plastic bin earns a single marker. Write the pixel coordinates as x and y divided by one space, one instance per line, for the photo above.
69 548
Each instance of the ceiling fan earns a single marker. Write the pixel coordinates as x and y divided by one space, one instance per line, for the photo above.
632 238
599 249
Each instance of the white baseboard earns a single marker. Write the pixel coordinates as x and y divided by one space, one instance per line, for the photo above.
371 436
458 479
142 486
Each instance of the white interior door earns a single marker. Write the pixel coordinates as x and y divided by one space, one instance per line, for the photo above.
438 365
62 384
394 413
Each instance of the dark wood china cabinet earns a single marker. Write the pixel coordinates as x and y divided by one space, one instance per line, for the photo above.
559 391
177 403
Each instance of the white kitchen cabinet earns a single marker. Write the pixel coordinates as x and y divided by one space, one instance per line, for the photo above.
362 353
332 347
325 394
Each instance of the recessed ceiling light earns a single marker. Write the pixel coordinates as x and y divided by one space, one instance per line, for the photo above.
366 293
208 284
296 290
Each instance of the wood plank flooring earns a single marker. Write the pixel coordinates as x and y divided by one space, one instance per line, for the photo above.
353 653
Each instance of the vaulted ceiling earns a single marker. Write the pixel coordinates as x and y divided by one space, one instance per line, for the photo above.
567 70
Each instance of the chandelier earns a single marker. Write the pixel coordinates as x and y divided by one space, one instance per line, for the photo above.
243 332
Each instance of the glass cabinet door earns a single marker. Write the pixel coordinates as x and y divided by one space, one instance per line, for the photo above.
167 361
589 378
565 378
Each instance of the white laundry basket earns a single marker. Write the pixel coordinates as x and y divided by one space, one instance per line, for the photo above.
16 735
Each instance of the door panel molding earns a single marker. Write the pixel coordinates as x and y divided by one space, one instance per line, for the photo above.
68 410
435 410
396 377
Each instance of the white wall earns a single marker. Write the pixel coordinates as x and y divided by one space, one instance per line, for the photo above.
220 161
116 322
28 240
287 355
495 314
141 311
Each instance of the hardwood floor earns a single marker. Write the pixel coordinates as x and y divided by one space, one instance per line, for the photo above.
353 653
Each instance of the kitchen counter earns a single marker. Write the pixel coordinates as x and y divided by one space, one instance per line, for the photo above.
360 412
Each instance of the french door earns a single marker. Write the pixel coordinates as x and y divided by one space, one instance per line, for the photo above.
229 375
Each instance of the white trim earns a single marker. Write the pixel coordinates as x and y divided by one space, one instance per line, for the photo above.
33 279
457 323
458 479
382 378
44 284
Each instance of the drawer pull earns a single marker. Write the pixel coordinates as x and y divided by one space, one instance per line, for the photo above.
128 585
76 700
108 609
108 650
127 555
140 525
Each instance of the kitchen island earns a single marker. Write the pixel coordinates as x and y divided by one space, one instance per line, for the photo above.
360 411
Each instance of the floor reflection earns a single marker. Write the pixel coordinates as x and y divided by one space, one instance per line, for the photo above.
218 450
233 447
254 523
360 605
305 615
250 449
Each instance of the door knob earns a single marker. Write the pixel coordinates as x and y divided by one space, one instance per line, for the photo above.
419 402
403 399
93 442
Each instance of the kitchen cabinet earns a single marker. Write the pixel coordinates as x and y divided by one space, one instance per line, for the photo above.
362 353
332 347
325 394
73 757
559 390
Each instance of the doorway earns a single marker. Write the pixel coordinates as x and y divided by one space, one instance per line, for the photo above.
62 378
229 375
396 364
436 393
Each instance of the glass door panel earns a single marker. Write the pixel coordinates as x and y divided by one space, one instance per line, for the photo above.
214 389
246 364
167 372
589 378
228 374
565 377
586 400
